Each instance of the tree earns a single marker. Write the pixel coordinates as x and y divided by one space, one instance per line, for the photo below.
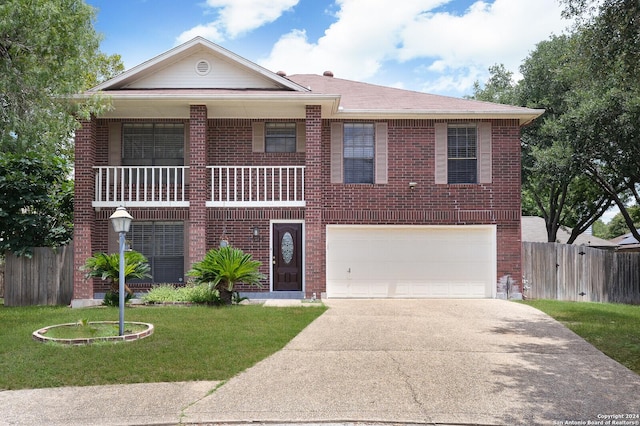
36 202
48 52
500 88
618 225
605 108
554 185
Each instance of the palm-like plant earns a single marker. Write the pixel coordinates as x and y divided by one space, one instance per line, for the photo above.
107 267
225 267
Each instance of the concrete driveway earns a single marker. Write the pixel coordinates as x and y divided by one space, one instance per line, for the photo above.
489 362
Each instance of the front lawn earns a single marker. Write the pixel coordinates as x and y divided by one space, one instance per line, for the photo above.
189 343
612 328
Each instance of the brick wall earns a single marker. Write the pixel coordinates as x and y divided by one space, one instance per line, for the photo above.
316 185
229 142
411 159
198 179
83 215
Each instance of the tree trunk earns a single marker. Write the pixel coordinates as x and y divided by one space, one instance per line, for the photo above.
115 288
226 296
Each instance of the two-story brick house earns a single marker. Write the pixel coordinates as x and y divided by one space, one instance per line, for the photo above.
340 188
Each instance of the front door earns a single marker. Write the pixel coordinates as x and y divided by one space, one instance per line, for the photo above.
287 257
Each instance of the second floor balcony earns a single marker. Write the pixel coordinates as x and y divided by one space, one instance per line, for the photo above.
257 186
168 186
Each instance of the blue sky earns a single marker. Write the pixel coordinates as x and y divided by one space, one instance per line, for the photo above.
434 46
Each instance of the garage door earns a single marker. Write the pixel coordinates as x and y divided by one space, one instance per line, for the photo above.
411 261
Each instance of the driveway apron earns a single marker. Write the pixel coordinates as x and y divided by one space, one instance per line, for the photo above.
489 362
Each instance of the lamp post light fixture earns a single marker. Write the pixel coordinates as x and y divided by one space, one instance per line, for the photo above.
121 221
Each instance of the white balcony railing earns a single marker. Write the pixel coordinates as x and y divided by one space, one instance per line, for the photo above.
140 186
257 186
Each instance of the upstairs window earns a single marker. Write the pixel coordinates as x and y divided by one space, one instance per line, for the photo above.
153 144
280 137
359 150
462 157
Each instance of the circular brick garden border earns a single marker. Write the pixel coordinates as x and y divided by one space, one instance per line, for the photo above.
40 335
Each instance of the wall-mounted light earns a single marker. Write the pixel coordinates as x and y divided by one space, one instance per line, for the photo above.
412 185
255 233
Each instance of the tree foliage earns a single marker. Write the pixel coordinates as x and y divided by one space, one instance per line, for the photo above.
36 202
554 185
553 175
49 51
605 108
500 88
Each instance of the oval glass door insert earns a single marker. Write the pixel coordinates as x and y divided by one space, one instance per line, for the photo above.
287 247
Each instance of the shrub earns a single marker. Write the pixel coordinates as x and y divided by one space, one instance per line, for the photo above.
107 268
190 293
165 293
225 267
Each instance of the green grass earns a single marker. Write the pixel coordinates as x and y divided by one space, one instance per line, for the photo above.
189 343
612 328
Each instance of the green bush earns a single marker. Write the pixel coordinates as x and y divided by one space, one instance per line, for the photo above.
202 293
190 293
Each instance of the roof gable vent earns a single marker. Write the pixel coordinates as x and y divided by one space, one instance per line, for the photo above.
203 67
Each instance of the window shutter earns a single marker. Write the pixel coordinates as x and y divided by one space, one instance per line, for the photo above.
381 153
301 137
115 143
258 136
336 153
441 153
484 153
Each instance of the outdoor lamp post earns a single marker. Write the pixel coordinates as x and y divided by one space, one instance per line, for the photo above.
121 221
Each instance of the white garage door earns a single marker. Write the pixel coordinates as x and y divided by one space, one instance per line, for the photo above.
411 261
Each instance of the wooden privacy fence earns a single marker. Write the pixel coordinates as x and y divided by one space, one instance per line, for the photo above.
2 277
579 273
44 279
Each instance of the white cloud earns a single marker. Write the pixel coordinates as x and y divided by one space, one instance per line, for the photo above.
500 32
365 35
455 50
210 32
236 17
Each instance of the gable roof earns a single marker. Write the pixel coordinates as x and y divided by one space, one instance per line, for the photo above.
141 76
534 229
626 242
203 73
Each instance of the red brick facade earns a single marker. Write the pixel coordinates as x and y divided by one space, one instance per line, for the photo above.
198 183
411 153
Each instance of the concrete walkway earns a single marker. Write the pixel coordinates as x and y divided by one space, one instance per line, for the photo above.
488 362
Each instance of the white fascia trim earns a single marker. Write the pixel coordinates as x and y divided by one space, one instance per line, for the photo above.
523 117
